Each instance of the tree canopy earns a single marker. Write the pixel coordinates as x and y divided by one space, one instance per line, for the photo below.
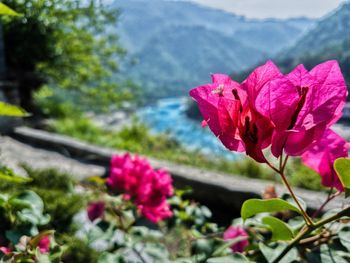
71 45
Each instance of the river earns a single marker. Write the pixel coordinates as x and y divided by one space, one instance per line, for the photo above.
168 116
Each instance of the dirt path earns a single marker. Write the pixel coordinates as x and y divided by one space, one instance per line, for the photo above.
13 153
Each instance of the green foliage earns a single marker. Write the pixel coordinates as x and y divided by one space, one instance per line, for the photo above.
280 230
271 253
252 207
304 177
70 45
77 250
342 166
56 190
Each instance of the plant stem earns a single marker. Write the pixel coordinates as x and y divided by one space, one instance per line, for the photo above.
305 215
330 197
280 171
309 228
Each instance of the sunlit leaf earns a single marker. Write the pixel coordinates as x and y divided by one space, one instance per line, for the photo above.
14 178
11 110
280 230
342 167
252 207
5 10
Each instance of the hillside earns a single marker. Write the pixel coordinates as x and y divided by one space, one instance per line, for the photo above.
175 45
330 31
329 39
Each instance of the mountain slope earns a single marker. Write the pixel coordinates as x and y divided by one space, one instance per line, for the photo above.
332 30
329 39
175 45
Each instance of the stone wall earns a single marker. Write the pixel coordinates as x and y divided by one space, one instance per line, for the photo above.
219 191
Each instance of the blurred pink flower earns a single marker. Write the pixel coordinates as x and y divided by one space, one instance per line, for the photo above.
154 188
302 105
322 154
156 213
6 250
228 108
235 232
147 187
44 244
95 210
125 173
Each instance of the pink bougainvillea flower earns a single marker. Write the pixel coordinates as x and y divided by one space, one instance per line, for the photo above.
154 188
146 187
235 232
302 105
95 210
125 173
5 250
44 244
322 154
156 213
228 108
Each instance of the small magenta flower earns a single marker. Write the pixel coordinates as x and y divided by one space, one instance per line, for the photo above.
322 154
302 105
44 244
5 250
95 210
235 232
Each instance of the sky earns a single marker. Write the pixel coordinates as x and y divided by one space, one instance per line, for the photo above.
274 8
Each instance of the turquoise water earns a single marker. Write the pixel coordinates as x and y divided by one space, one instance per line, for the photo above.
168 116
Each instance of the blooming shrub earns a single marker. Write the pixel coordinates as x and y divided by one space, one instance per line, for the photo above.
288 113
291 115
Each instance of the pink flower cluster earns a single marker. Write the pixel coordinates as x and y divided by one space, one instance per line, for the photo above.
234 232
291 113
147 187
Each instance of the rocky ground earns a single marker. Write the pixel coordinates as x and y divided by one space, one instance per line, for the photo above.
14 153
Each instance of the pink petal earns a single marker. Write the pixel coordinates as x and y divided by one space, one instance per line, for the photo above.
322 154
330 96
258 78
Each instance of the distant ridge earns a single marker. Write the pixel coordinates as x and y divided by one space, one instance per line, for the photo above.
175 45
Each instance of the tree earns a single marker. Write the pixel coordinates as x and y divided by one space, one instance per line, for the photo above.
68 45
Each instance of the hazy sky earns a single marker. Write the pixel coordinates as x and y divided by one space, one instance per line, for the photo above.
274 8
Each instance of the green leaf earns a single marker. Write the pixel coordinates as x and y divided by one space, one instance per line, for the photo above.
280 230
271 253
328 255
5 10
344 236
107 257
30 208
235 258
11 110
13 178
252 207
342 167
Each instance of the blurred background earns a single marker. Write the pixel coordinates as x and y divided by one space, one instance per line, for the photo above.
117 73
